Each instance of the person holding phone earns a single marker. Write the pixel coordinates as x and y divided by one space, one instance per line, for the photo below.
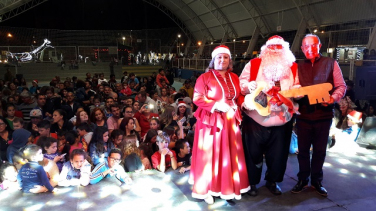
49 150
143 116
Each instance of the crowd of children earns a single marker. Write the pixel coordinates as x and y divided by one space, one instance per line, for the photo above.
78 132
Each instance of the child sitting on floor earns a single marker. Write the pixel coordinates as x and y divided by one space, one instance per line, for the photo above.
163 158
110 167
74 141
32 174
145 155
184 155
76 171
49 149
131 154
63 146
8 176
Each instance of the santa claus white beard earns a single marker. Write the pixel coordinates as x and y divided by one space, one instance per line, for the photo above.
276 64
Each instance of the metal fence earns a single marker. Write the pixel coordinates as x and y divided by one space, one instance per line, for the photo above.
201 64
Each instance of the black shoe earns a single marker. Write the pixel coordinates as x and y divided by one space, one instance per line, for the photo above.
301 185
273 188
253 191
319 188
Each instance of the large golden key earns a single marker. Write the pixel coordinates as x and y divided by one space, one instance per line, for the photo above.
318 93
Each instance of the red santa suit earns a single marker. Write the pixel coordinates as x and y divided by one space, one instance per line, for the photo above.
268 135
218 165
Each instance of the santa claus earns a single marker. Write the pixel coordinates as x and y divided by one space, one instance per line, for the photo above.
269 133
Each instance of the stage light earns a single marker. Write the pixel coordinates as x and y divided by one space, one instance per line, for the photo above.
199 43
211 43
234 40
123 38
314 31
322 31
243 41
10 35
179 35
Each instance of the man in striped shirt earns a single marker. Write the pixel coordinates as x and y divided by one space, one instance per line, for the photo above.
28 104
110 168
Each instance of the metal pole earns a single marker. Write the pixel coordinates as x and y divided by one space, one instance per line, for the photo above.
351 74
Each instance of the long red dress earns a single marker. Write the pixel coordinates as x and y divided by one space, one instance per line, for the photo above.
218 165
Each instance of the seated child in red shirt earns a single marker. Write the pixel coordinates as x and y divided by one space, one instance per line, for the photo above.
164 158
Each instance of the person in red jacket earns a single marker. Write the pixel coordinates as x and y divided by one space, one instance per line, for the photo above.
159 78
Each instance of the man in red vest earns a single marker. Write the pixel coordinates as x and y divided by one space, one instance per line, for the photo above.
271 134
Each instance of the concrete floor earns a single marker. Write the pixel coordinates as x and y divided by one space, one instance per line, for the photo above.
349 178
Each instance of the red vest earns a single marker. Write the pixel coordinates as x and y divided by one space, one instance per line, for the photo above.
255 65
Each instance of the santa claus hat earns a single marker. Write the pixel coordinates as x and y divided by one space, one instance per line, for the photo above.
182 103
277 40
35 81
355 116
221 49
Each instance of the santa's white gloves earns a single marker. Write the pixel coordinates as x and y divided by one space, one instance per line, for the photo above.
221 106
252 86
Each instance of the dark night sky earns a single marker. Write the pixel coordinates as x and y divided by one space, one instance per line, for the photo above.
92 15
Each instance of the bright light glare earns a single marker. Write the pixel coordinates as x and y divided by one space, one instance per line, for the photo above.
217 205
188 205
78 195
86 205
34 207
344 171
167 178
109 190
183 180
54 203
344 161
328 165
